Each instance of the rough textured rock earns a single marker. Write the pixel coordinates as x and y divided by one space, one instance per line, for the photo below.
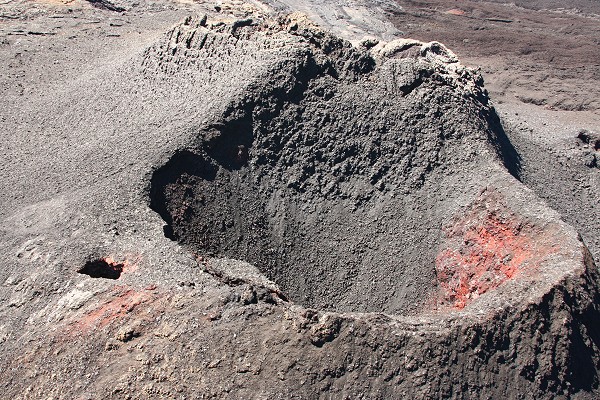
329 204
346 225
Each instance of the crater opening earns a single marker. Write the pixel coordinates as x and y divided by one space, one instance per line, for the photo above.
340 202
102 268
344 225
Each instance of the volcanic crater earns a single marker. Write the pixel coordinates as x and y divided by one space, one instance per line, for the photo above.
343 201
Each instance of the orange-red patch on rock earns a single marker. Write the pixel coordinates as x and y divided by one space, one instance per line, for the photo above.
483 249
455 11
123 303
130 263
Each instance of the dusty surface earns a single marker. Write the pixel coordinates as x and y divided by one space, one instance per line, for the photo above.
539 55
238 204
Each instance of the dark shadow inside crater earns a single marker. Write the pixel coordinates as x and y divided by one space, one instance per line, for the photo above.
183 163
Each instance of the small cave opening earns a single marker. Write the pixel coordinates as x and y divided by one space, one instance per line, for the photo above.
102 268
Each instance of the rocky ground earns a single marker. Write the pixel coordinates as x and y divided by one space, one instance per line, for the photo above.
540 55
226 200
